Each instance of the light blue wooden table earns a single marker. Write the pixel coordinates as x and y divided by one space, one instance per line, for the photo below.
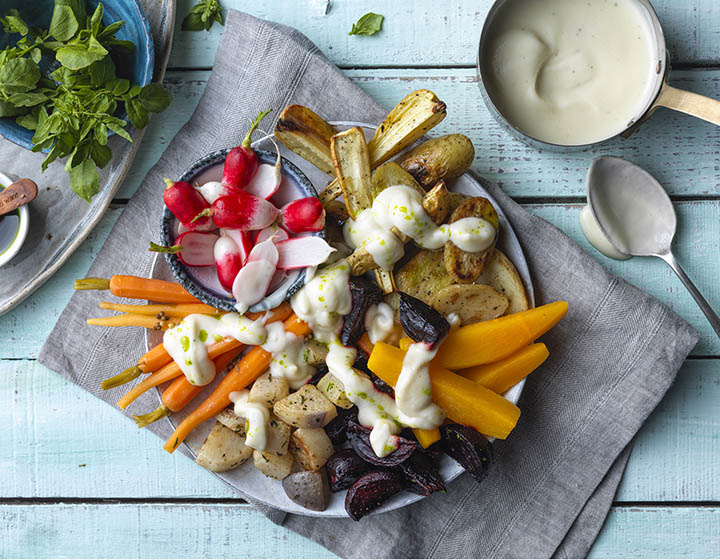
79 480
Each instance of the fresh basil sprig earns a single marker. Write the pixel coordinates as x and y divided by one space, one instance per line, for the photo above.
74 108
369 24
203 15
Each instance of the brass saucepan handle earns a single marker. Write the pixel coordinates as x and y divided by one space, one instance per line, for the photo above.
691 103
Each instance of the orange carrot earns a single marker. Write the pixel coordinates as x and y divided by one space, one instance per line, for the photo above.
180 392
252 365
158 357
135 287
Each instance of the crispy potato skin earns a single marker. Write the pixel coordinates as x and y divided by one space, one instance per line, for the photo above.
444 157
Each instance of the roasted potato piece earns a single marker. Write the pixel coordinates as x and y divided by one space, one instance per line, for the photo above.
305 408
352 165
390 174
471 302
308 489
278 436
334 390
273 465
229 419
466 267
268 390
423 276
223 450
311 448
445 157
502 275
307 134
315 352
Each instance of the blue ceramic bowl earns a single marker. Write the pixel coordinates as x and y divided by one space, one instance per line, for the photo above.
201 282
138 66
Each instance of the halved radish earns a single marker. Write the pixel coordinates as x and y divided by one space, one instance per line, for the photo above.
240 210
252 282
300 252
265 182
304 214
243 240
212 190
228 261
277 279
276 232
188 205
193 248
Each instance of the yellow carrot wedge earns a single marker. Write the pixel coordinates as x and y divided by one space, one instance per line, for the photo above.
494 340
136 287
172 370
464 401
500 376
155 309
247 370
427 437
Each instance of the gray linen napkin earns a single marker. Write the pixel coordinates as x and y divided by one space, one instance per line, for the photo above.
612 358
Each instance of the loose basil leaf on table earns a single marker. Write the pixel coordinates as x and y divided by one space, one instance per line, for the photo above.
203 15
369 24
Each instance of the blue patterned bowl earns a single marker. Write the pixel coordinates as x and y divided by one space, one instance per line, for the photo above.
138 67
202 282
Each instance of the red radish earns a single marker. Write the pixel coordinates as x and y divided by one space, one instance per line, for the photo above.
193 248
242 162
252 282
277 233
277 279
243 240
304 214
228 261
212 190
300 252
186 203
265 182
241 210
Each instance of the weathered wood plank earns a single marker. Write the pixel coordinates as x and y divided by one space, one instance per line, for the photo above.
27 326
71 444
424 32
220 530
679 150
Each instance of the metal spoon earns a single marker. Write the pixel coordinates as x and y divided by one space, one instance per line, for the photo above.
18 194
637 216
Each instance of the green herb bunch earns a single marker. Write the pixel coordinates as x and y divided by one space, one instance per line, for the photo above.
203 15
74 106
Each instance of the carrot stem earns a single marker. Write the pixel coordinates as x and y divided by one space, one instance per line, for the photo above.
121 378
134 320
92 284
143 420
167 309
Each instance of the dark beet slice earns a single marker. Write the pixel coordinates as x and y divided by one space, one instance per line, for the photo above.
336 429
371 491
359 438
421 322
380 385
344 468
469 448
422 475
364 293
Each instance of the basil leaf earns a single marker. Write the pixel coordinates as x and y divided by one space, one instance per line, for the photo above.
36 56
369 24
202 16
120 131
18 74
101 134
84 180
76 56
155 97
28 121
96 19
64 24
100 154
137 113
102 72
27 99
121 86
192 22
110 30
8 109
13 23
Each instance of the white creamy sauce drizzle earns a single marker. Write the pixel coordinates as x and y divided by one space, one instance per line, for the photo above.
256 417
401 206
413 392
379 322
288 357
187 343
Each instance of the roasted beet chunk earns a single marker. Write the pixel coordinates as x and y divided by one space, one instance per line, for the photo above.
421 322
320 372
344 468
469 448
364 294
359 438
421 474
337 427
371 491
380 385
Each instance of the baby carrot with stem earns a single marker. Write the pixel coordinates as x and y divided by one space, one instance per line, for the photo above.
157 357
136 287
252 365
180 392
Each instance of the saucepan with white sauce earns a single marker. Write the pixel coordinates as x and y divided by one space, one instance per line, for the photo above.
564 74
